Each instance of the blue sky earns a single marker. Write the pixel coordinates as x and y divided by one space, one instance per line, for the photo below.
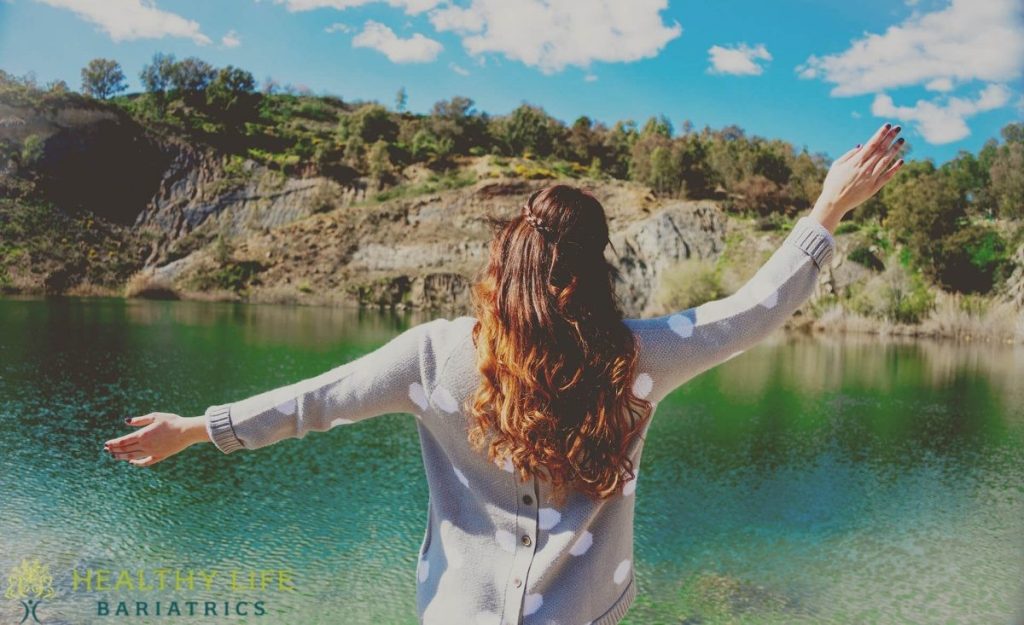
820 74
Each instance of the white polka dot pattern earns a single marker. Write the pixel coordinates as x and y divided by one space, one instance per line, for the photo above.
505 540
532 603
582 544
642 385
548 518
681 325
418 395
621 571
449 535
443 399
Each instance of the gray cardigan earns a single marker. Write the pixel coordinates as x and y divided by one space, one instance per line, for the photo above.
496 551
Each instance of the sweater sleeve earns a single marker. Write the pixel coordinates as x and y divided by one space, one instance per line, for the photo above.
686 343
380 382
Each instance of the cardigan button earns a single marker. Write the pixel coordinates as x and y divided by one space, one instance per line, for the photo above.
517 582
526 540
527 499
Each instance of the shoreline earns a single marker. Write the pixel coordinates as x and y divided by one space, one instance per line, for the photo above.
836 321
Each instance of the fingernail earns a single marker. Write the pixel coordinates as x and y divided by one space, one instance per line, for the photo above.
127 419
900 140
888 126
897 129
858 145
900 162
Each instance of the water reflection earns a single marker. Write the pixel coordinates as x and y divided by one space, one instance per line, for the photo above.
824 480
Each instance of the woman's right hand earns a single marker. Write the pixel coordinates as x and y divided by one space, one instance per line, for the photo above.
857 175
161 435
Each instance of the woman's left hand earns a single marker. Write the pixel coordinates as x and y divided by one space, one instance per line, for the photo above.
161 435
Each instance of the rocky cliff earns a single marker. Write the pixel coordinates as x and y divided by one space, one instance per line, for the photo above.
420 252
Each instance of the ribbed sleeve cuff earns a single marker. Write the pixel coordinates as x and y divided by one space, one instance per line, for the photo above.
815 239
222 433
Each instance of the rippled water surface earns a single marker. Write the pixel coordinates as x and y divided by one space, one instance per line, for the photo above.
805 481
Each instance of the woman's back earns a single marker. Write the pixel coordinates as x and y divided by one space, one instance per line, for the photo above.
495 549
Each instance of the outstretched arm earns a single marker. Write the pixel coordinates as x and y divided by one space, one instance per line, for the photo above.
381 382
681 345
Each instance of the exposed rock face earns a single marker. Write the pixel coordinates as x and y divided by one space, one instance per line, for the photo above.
1013 289
650 246
231 198
427 251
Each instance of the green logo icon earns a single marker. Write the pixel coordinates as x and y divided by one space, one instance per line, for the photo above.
30 582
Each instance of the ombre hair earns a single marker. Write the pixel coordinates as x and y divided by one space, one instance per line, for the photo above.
557 362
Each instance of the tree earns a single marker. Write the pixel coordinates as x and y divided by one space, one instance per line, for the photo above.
456 122
102 78
1006 172
401 100
369 123
231 93
378 162
156 76
529 129
191 76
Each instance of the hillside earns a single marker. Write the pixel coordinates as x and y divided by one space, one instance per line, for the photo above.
108 198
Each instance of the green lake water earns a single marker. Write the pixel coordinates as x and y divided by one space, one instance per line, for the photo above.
807 481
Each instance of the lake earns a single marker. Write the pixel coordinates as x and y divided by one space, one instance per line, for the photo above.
808 480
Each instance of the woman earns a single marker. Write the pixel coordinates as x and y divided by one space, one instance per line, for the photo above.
532 414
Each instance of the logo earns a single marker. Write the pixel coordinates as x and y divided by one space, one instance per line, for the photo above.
30 582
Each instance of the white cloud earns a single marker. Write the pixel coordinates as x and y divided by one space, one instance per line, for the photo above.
554 34
458 69
415 49
943 123
231 40
939 84
741 60
967 40
338 27
409 6
125 20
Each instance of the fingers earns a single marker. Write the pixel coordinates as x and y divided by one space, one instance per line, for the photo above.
876 149
143 420
869 160
885 160
889 173
123 442
877 139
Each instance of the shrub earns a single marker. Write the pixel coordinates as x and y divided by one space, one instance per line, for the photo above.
897 294
689 283
864 256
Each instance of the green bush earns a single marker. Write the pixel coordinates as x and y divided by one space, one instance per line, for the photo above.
690 283
845 227
898 294
864 256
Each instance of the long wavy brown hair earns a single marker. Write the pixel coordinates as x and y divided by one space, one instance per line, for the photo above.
556 359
